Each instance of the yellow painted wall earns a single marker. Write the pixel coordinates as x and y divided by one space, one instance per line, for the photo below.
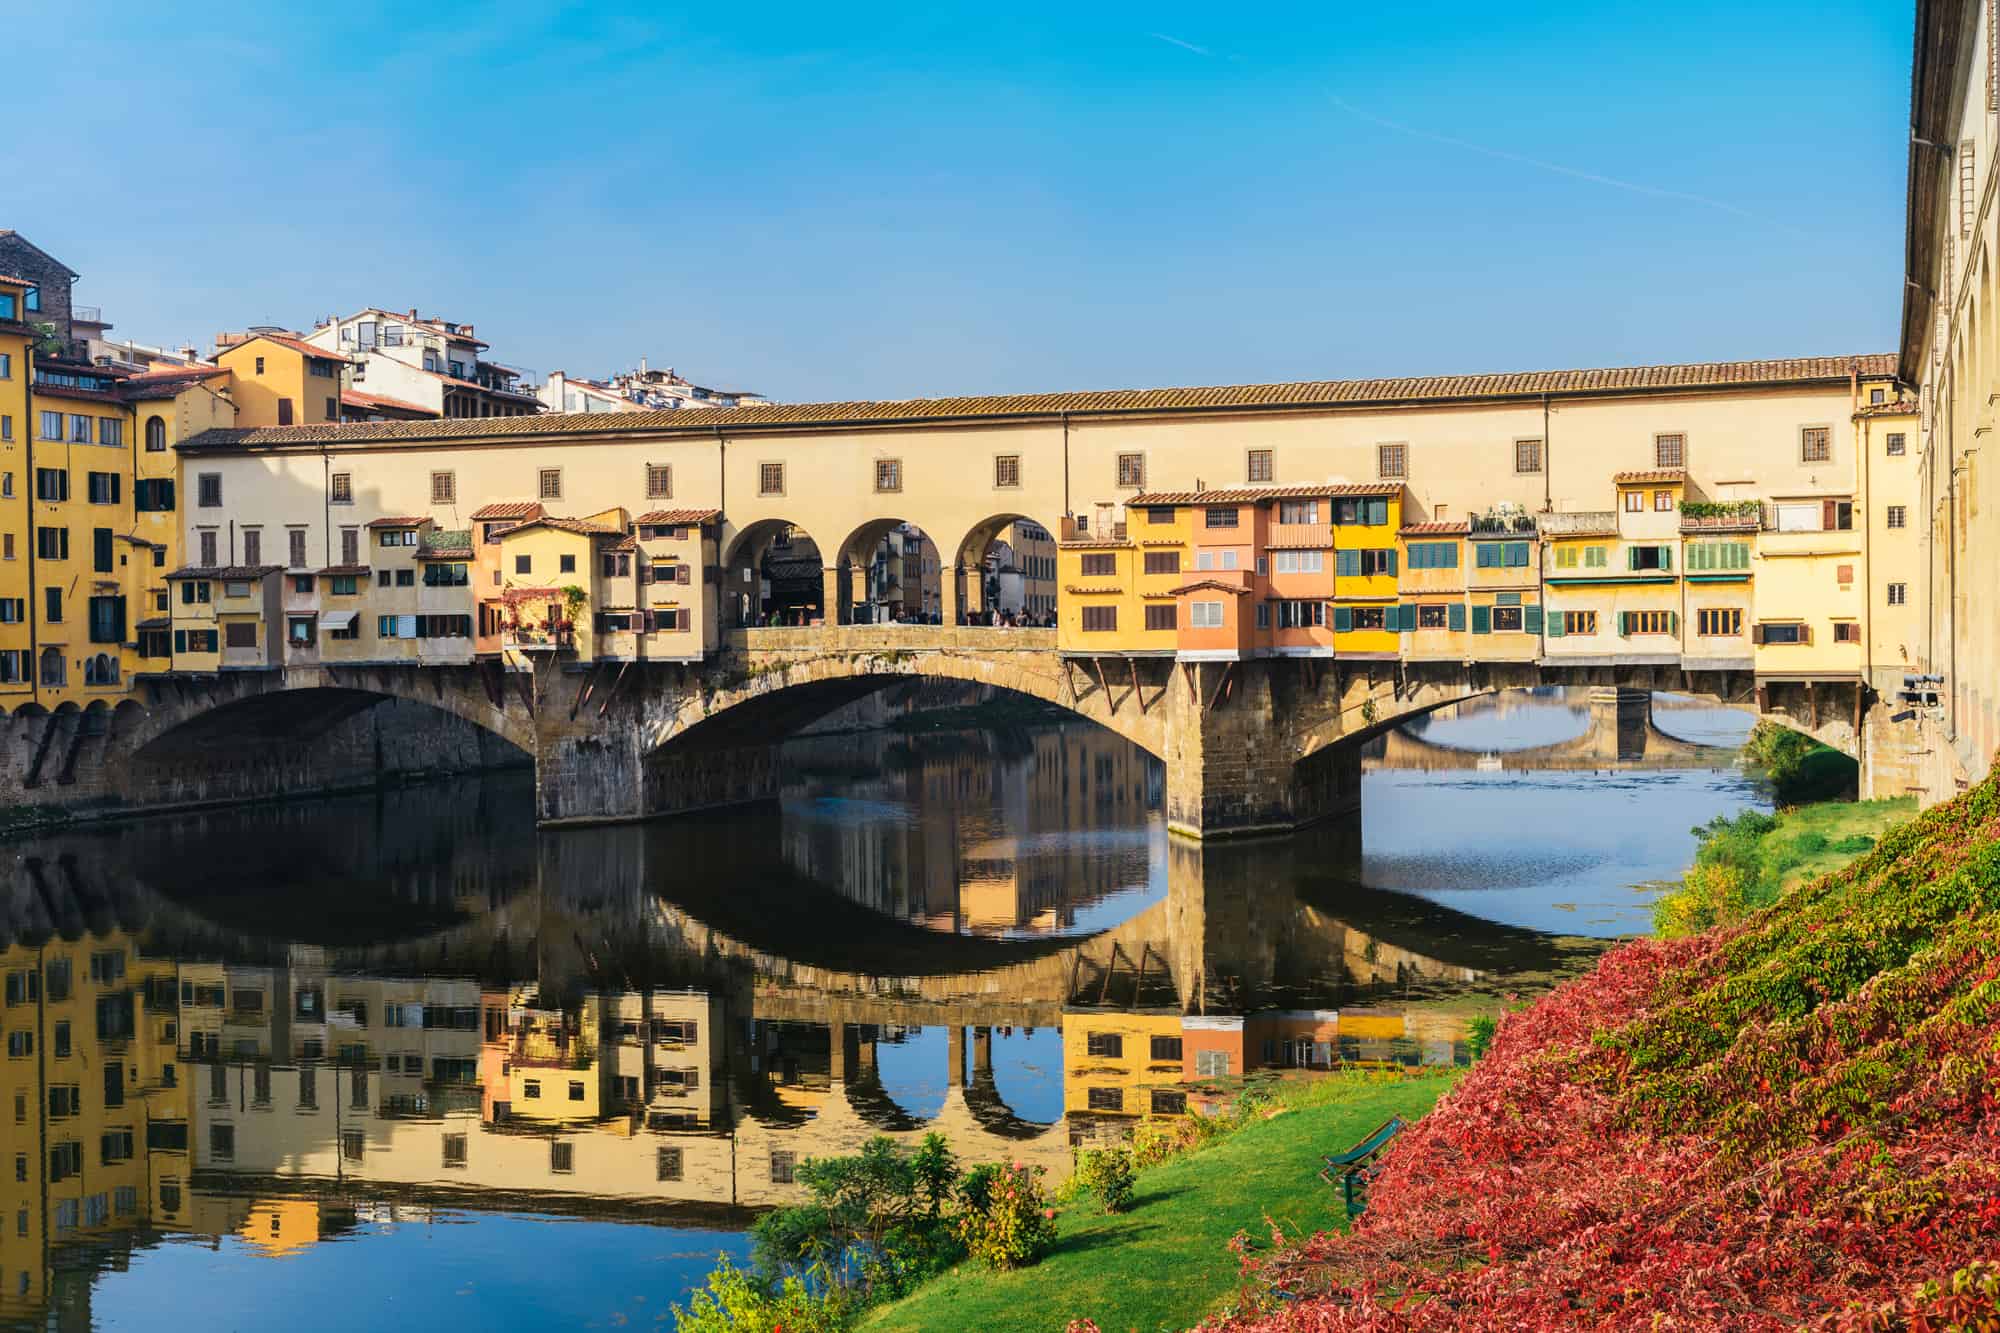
16 485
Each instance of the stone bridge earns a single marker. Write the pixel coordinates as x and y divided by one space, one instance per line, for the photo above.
1250 747
1619 733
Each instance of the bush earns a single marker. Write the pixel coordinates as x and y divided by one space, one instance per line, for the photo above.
1479 1034
1156 1140
1106 1173
875 1220
737 1301
1017 1226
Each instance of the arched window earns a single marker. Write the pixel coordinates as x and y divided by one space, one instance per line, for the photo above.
53 667
156 435
100 670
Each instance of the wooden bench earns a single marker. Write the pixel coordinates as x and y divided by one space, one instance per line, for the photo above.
1353 1169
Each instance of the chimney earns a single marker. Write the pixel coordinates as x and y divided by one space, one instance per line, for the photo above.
642 365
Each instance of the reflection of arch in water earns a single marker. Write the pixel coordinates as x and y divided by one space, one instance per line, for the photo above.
1618 731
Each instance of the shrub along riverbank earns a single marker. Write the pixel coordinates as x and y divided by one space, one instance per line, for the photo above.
1792 1121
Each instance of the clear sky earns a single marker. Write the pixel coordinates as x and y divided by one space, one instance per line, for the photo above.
827 201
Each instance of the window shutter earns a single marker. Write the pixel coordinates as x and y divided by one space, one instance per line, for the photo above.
1484 560
406 627
1624 624
1756 634
1666 557
1451 555
1555 623
1378 513
1531 619
1455 617
1482 620
1830 515
1343 619
1391 557
1632 557
1673 622
1347 564
1805 633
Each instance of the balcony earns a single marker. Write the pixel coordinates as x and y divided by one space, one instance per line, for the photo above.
1524 524
1732 516
1584 523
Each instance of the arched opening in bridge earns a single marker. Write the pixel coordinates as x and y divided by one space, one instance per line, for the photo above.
1005 570
889 571
774 574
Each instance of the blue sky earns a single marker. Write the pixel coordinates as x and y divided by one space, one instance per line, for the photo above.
843 201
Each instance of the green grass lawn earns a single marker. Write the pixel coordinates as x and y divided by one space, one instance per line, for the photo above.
1832 821
1166 1263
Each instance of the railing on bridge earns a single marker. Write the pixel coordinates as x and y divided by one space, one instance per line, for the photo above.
889 638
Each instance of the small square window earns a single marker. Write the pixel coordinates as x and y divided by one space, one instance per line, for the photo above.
888 474
783 1164
1897 443
771 479
1670 451
444 488
659 482
1007 471
340 488
1815 445
1527 455
1131 469
1257 466
548 483
1392 461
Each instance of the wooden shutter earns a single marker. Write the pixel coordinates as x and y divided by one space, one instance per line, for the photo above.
1347 564
1805 633
1555 623
1624 624
1343 619
1632 557
1757 633
1482 619
1830 515
1454 617
1666 557
1673 622
683 573
1531 619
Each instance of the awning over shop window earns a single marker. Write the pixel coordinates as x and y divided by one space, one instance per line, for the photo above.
332 620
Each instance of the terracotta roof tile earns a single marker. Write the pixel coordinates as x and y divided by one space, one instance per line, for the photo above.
298 345
236 572
1659 476
679 516
507 509
1440 529
376 401
401 521
345 570
445 553
1203 585
575 525
1258 494
1825 370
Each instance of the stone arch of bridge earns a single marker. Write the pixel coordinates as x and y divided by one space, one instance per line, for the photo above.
776 697
964 574
773 568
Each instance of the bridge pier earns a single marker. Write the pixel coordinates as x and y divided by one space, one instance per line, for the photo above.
1232 741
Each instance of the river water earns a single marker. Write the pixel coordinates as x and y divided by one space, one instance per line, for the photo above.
399 1057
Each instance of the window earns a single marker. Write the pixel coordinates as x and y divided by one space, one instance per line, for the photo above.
1100 564
340 488
1649 558
253 546
296 554
1669 451
1392 460
1712 622
659 482
240 634
444 488
1104 1045
782 1166
566 564
1815 444
1846 631
52 543
616 564
454 1150
1161 616
1107 1099
51 483
156 435
52 423
110 431
208 490
1431 616
1782 634
207 540
1006 471
1220 518
1377 562
1635 502
1298 511
1215 560
1577 622
1205 615
1718 555
1896 517
888 474
222 1140
1647 622
771 479
1100 619
667 1164
1896 444
353 1144
153 495
1663 502
548 483
1160 562
1898 594
1131 469
1527 455
79 429
576 1090
1298 562
1257 465
284 411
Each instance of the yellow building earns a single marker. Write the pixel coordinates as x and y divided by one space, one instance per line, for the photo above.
1431 587
1121 1063
1366 559
225 618
1504 588
1895 569
277 380
1108 578
16 482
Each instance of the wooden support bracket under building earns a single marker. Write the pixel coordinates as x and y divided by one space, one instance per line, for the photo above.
1134 667
493 683
525 679
583 695
1859 689
1097 664
616 682
1192 674
1812 704
1228 673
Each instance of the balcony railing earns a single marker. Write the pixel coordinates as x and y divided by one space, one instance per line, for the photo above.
1522 523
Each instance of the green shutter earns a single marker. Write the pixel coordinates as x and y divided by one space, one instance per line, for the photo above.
1343 619
1455 617
1347 564
1593 557
1517 555
1673 622
1482 620
1555 623
1666 557
1450 555
1632 557
1378 513
1531 619
1624 624
1485 557
1390 555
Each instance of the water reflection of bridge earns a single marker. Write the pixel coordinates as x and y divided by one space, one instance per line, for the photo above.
413 997
1618 733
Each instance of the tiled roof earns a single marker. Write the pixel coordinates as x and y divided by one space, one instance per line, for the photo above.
507 509
376 401
1444 529
616 541
1203 585
1906 407
298 345
344 570
237 572
166 383
402 521
18 282
445 553
1257 494
1658 476
68 391
1826 370
679 516
575 525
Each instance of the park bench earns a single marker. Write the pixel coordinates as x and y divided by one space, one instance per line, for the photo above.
1353 1169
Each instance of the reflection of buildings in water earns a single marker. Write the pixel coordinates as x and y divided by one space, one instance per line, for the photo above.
1002 863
